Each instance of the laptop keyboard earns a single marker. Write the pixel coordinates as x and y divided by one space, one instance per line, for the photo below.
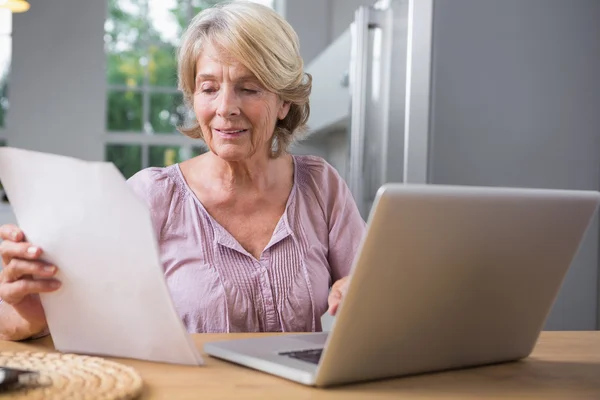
312 356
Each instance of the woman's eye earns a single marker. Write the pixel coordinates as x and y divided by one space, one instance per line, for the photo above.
250 91
208 90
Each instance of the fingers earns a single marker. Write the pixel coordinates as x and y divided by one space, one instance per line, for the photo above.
23 250
14 292
334 299
18 268
17 277
13 245
21 266
11 232
338 290
341 284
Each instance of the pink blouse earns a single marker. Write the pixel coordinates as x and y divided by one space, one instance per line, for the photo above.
217 286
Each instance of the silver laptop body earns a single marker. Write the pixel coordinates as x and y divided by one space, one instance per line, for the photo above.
446 277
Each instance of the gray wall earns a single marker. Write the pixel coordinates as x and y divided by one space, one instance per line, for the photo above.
57 83
516 102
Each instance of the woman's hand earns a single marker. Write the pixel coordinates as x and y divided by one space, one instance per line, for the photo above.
336 295
23 277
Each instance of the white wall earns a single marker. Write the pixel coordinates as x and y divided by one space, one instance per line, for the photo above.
57 84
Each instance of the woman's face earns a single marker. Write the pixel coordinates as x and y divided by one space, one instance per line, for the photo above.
236 114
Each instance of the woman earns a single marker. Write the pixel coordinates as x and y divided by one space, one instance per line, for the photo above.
251 238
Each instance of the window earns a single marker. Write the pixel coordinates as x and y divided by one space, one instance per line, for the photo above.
5 57
144 106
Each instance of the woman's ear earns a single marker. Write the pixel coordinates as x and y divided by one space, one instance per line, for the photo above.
284 109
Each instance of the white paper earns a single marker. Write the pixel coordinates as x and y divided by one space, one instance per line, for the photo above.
113 300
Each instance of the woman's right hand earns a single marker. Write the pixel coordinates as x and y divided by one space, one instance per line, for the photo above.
24 276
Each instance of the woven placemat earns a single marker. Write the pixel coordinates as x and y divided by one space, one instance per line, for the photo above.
70 376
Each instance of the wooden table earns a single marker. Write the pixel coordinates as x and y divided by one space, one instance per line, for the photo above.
564 365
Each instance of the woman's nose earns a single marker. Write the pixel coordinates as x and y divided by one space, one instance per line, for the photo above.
228 104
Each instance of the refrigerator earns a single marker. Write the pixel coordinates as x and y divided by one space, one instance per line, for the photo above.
471 92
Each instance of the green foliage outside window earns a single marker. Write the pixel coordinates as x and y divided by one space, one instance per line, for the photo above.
127 158
161 156
124 111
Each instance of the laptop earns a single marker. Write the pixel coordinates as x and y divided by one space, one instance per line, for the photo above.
446 277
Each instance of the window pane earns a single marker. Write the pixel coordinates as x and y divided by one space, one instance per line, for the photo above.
5 57
164 20
125 68
162 156
166 112
199 5
125 29
268 3
127 158
126 24
124 111
162 66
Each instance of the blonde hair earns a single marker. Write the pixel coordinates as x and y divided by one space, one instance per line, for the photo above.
261 40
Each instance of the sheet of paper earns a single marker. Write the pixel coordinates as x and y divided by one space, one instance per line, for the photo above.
114 300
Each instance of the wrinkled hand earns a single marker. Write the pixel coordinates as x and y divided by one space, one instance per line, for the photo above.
24 276
336 295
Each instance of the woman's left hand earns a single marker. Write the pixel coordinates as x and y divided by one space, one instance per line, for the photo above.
338 290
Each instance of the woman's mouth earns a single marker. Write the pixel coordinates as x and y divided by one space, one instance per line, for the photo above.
231 133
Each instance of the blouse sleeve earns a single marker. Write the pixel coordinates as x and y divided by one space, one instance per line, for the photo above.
155 188
346 226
